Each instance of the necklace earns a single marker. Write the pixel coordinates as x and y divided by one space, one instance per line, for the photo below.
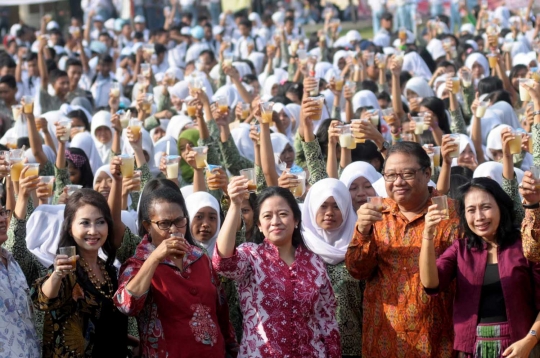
98 284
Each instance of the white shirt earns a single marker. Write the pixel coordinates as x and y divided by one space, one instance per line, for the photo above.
241 48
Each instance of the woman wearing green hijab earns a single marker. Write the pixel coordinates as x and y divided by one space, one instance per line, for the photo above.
191 137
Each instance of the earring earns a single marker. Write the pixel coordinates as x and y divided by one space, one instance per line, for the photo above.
296 227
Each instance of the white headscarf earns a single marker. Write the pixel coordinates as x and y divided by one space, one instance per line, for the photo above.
180 90
196 202
279 142
365 98
176 125
230 92
415 64
338 56
49 153
464 140
493 170
356 170
244 144
292 110
85 142
161 147
147 146
481 59
381 39
321 68
419 86
436 49
257 59
506 114
494 139
332 245
65 109
102 119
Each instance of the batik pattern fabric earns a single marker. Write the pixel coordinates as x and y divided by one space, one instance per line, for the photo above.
400 319
349 292
80 321
530 234
184 312
61 179
457 124
18 337
289 311
315 161
511 188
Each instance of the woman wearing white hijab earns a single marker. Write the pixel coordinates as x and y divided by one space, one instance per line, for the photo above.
243 142
418 87
365 98
85 142
328 223
257 58
359 178
102 132
494 147
338 57
177 125
148 150
204 220
467 153
293 112
283 151
160 147
479 65
492 170
413 63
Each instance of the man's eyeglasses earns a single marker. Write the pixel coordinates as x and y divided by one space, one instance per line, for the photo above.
5 213
408 174
166 224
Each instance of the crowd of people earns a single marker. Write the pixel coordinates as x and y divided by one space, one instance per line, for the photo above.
245 189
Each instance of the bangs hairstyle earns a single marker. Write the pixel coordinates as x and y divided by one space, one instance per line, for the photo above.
163 195
507 232
297 239
76 201
87 176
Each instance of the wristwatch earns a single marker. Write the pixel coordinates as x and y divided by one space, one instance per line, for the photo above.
385 145
532 332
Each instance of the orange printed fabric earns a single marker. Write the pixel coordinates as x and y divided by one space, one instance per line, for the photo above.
400 319
530 233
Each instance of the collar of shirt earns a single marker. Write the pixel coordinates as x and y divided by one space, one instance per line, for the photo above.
393 208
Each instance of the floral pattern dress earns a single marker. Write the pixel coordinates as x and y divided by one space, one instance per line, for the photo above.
184 313
289 311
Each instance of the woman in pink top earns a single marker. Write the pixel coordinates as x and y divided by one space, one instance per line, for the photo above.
286 298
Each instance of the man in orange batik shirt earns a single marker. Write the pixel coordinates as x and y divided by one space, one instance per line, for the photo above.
400 320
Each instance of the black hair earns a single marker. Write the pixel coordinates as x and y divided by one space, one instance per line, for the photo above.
384 96
370 86
51 65
404 77
105 58
247 79
77 200
73 62
159 49
150 186
163 194
54 75
9 81
322 135
436 105
489 84
31 56
500 96
456 180
367 152
289 19
515 70
280 98
507 232
428 59
104 33
210 53
387 16
79 113
138 35
463 171
249 63
297 239
7 61
245 22
23 142
412 149
87 177
296 88
187 15
446 63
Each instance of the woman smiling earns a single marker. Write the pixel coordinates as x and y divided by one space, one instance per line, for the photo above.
496 286
285 293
